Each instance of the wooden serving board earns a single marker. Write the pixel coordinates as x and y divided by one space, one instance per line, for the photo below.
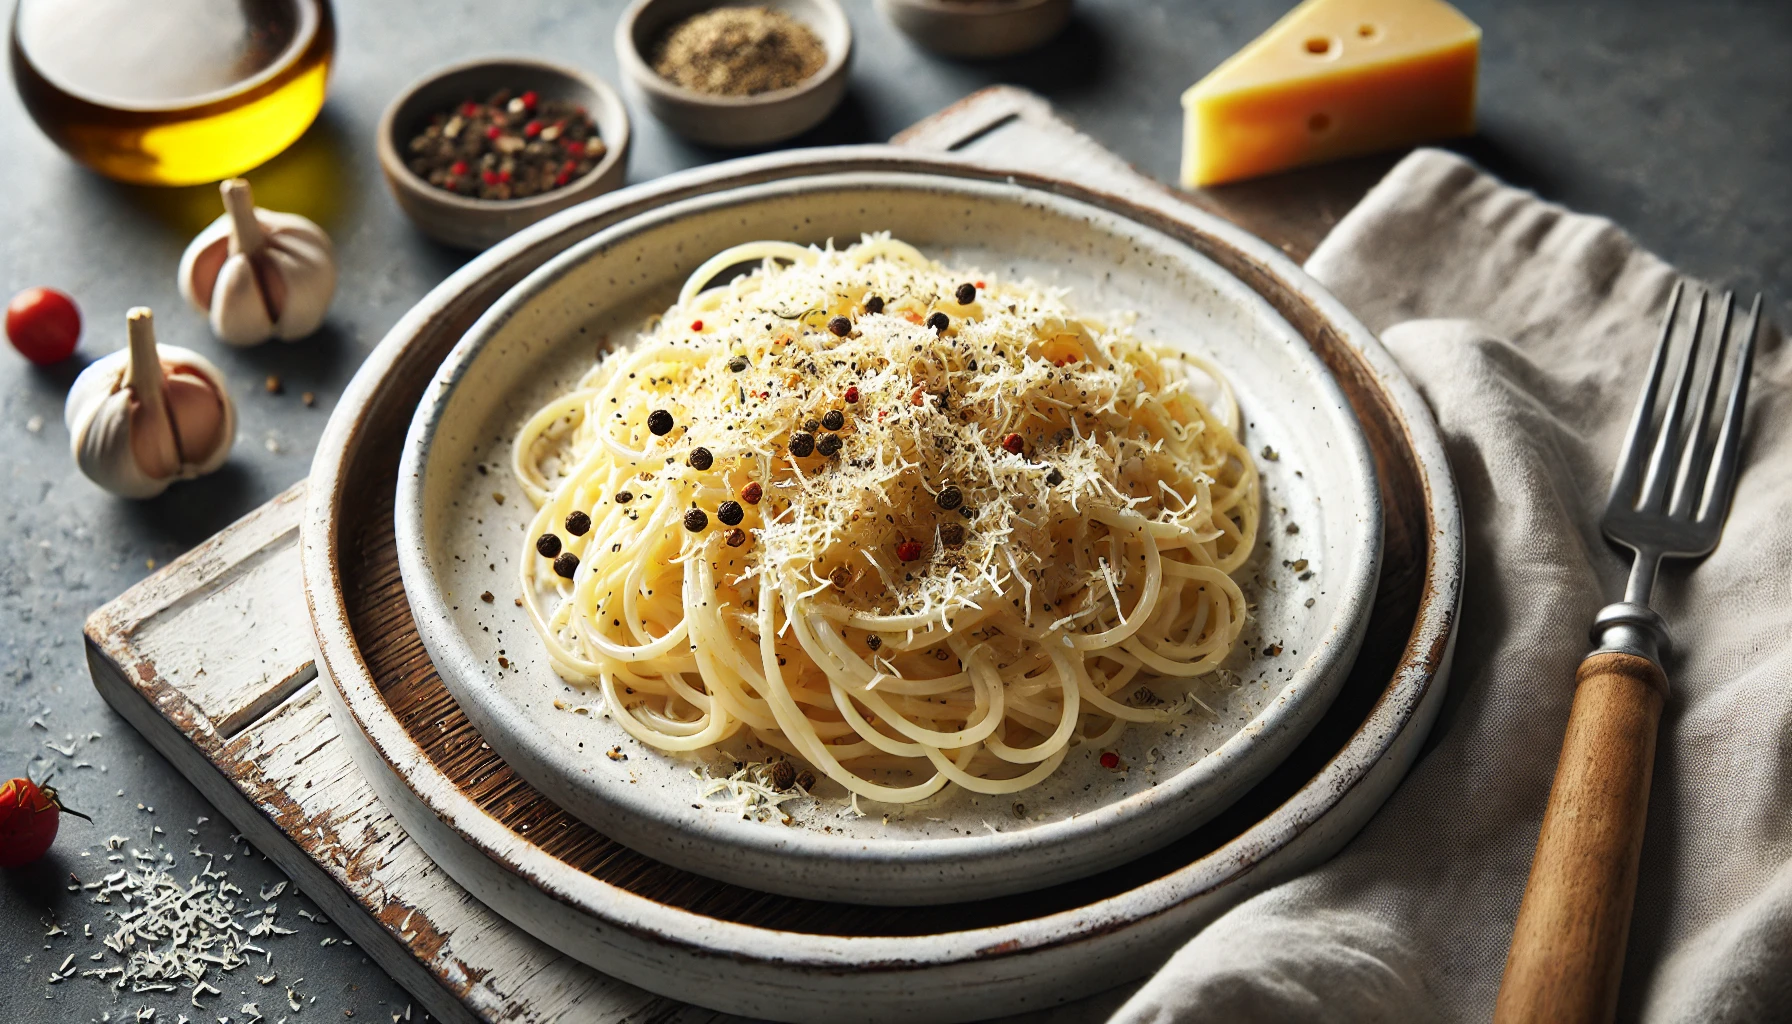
213 658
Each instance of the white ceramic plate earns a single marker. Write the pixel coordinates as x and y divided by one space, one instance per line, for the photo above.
457 541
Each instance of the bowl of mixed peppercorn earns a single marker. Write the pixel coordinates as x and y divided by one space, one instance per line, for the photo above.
477 151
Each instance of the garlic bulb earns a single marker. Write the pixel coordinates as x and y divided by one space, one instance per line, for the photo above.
149 415
257 274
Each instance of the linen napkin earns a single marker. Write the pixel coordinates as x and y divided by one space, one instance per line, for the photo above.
1528 328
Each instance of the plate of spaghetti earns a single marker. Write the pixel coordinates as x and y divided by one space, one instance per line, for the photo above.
887 538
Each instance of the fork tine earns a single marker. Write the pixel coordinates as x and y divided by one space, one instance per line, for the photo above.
1664 461
1722 482
1630 458
1695 457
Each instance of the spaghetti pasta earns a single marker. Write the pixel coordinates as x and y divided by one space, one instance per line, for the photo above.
911 526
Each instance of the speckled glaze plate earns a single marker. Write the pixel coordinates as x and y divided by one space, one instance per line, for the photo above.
460 518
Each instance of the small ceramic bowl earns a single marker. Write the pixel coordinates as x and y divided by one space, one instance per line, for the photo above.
733 121
978 28
470 223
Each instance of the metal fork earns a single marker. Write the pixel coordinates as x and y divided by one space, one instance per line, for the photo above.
1669 499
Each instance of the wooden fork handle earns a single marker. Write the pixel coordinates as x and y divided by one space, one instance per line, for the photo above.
1568 948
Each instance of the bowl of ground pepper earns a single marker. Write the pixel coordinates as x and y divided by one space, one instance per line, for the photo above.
738 73
476 151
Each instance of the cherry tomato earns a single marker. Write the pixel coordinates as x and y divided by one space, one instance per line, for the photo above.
29 814
43 324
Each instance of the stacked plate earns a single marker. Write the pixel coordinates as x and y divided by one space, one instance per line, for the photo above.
974 906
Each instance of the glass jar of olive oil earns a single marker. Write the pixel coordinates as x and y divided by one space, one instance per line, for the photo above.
172 92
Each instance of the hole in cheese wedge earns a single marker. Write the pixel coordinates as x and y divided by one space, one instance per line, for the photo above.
1333 78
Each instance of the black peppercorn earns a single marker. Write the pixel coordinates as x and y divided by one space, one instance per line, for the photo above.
701 459
695 520
1054 478
834 419
730 513
806 780
950 498
967 294
840 326
952 535
783 775
577 523
737 537
828 444
875 304
547 545
566 565
811 425
967 512
874 641
624 497
660 422
802 445
737 364
939 321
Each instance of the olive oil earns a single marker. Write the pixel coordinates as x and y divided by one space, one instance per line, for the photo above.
172 92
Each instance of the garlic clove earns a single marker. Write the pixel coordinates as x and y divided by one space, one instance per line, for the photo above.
305 269
197 415
98 445
152 432
239 313
202 262
258 274
148 415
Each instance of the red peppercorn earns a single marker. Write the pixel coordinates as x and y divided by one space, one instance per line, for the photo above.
575 147
696 325
469 109
981 285
490 177
1109 759
1013 444
532 129
562 178
852 394
458 167
569 166
450 183
504 176
916 396
752 493
530 99
493 132
908 550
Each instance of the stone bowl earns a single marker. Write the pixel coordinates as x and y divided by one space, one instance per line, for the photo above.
468 223
733 121
978 29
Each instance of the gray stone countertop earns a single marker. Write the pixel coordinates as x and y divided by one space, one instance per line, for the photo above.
1673 119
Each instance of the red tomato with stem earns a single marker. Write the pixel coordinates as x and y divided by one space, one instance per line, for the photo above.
29 815
43 324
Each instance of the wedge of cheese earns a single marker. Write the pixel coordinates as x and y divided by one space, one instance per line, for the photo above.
1333 78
